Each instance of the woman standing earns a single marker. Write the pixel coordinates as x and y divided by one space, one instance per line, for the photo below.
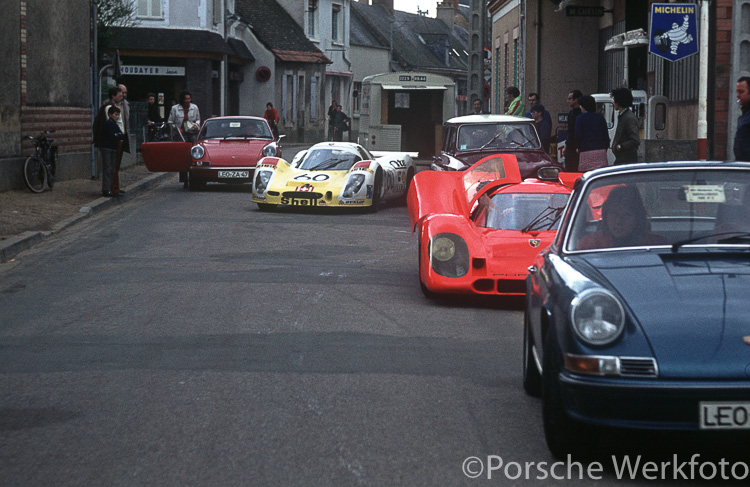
591 136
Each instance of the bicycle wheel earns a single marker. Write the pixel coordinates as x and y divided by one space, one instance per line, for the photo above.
35 174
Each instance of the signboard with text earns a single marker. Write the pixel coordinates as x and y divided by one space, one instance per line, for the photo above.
146 70
674 30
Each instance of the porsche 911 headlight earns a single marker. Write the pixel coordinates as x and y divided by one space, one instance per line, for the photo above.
261 181
197 151
270 150
449 255
353 185
598 317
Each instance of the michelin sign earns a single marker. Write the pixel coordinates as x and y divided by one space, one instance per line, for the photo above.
674 30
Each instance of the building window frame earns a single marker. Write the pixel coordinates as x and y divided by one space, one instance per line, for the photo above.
335 24
147 10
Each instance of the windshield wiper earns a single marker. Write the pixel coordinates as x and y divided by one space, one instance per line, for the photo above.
493 139
525 142
548 214
737 236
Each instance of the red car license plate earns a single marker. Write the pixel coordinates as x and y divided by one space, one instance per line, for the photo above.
724 415
234 174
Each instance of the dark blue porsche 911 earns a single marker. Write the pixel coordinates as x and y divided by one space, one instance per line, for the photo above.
638 315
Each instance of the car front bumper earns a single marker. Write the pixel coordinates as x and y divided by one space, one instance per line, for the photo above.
645 404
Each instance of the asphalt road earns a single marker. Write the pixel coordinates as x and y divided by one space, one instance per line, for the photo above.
189 339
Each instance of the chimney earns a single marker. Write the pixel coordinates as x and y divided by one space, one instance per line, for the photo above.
386 4
446 12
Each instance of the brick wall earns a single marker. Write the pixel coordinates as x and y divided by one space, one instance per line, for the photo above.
72 127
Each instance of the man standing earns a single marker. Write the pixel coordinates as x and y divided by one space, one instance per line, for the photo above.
111 142
571 150
543 125
115 97
626 141
125 108
742 136
272 117
513 99
477 106
340 124
187 118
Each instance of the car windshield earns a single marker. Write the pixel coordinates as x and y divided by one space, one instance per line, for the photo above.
523 211
235 129
329 159
706 207
497 136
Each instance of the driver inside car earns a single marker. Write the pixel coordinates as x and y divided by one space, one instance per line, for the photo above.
624 223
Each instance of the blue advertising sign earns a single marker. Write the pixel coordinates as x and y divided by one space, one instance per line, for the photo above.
674 30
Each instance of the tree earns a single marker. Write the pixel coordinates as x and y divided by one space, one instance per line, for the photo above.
112 13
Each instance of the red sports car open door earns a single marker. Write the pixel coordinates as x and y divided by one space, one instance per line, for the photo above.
166 156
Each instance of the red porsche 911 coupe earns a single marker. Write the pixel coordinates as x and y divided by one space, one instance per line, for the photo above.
226 151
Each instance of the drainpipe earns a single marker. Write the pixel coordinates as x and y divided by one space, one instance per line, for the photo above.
538 47
522 56
703 84
94 86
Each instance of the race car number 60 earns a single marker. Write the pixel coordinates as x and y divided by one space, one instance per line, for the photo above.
307 177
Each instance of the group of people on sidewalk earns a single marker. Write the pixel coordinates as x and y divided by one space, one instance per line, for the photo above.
588 138
588 135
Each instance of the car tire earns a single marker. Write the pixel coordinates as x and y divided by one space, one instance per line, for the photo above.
532 379
377 191
266 206
564 436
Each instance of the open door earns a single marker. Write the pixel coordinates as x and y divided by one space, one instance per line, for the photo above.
167 153
166 156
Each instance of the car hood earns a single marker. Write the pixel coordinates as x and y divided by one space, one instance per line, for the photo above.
692 307
234 152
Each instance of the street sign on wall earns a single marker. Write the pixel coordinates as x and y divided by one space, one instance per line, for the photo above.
674 30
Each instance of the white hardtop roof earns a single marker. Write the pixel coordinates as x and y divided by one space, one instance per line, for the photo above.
349 146
489 119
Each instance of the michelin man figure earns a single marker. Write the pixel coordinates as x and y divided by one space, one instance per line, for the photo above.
678 35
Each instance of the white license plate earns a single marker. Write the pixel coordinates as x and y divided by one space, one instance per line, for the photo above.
234 174
724 415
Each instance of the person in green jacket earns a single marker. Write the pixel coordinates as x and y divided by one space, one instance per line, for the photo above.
514 101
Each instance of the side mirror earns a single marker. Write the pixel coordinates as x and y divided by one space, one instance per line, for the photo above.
548 173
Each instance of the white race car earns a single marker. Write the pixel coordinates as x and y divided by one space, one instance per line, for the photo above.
337 174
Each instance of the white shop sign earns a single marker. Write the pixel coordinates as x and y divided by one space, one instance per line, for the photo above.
153 70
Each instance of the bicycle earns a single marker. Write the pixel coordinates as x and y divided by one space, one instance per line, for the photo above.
39 168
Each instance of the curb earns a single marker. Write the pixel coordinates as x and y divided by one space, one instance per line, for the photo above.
9 248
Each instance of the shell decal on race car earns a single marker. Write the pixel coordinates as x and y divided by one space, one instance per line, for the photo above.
333 174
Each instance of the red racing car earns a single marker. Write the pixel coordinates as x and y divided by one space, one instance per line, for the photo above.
226 151
480 229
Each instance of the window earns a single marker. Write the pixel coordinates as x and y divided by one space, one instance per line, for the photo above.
313 98
335 20
312 18
149 9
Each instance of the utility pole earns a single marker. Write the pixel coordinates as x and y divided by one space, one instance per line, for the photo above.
703 83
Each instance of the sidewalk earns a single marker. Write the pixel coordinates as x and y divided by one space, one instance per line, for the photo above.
27 218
